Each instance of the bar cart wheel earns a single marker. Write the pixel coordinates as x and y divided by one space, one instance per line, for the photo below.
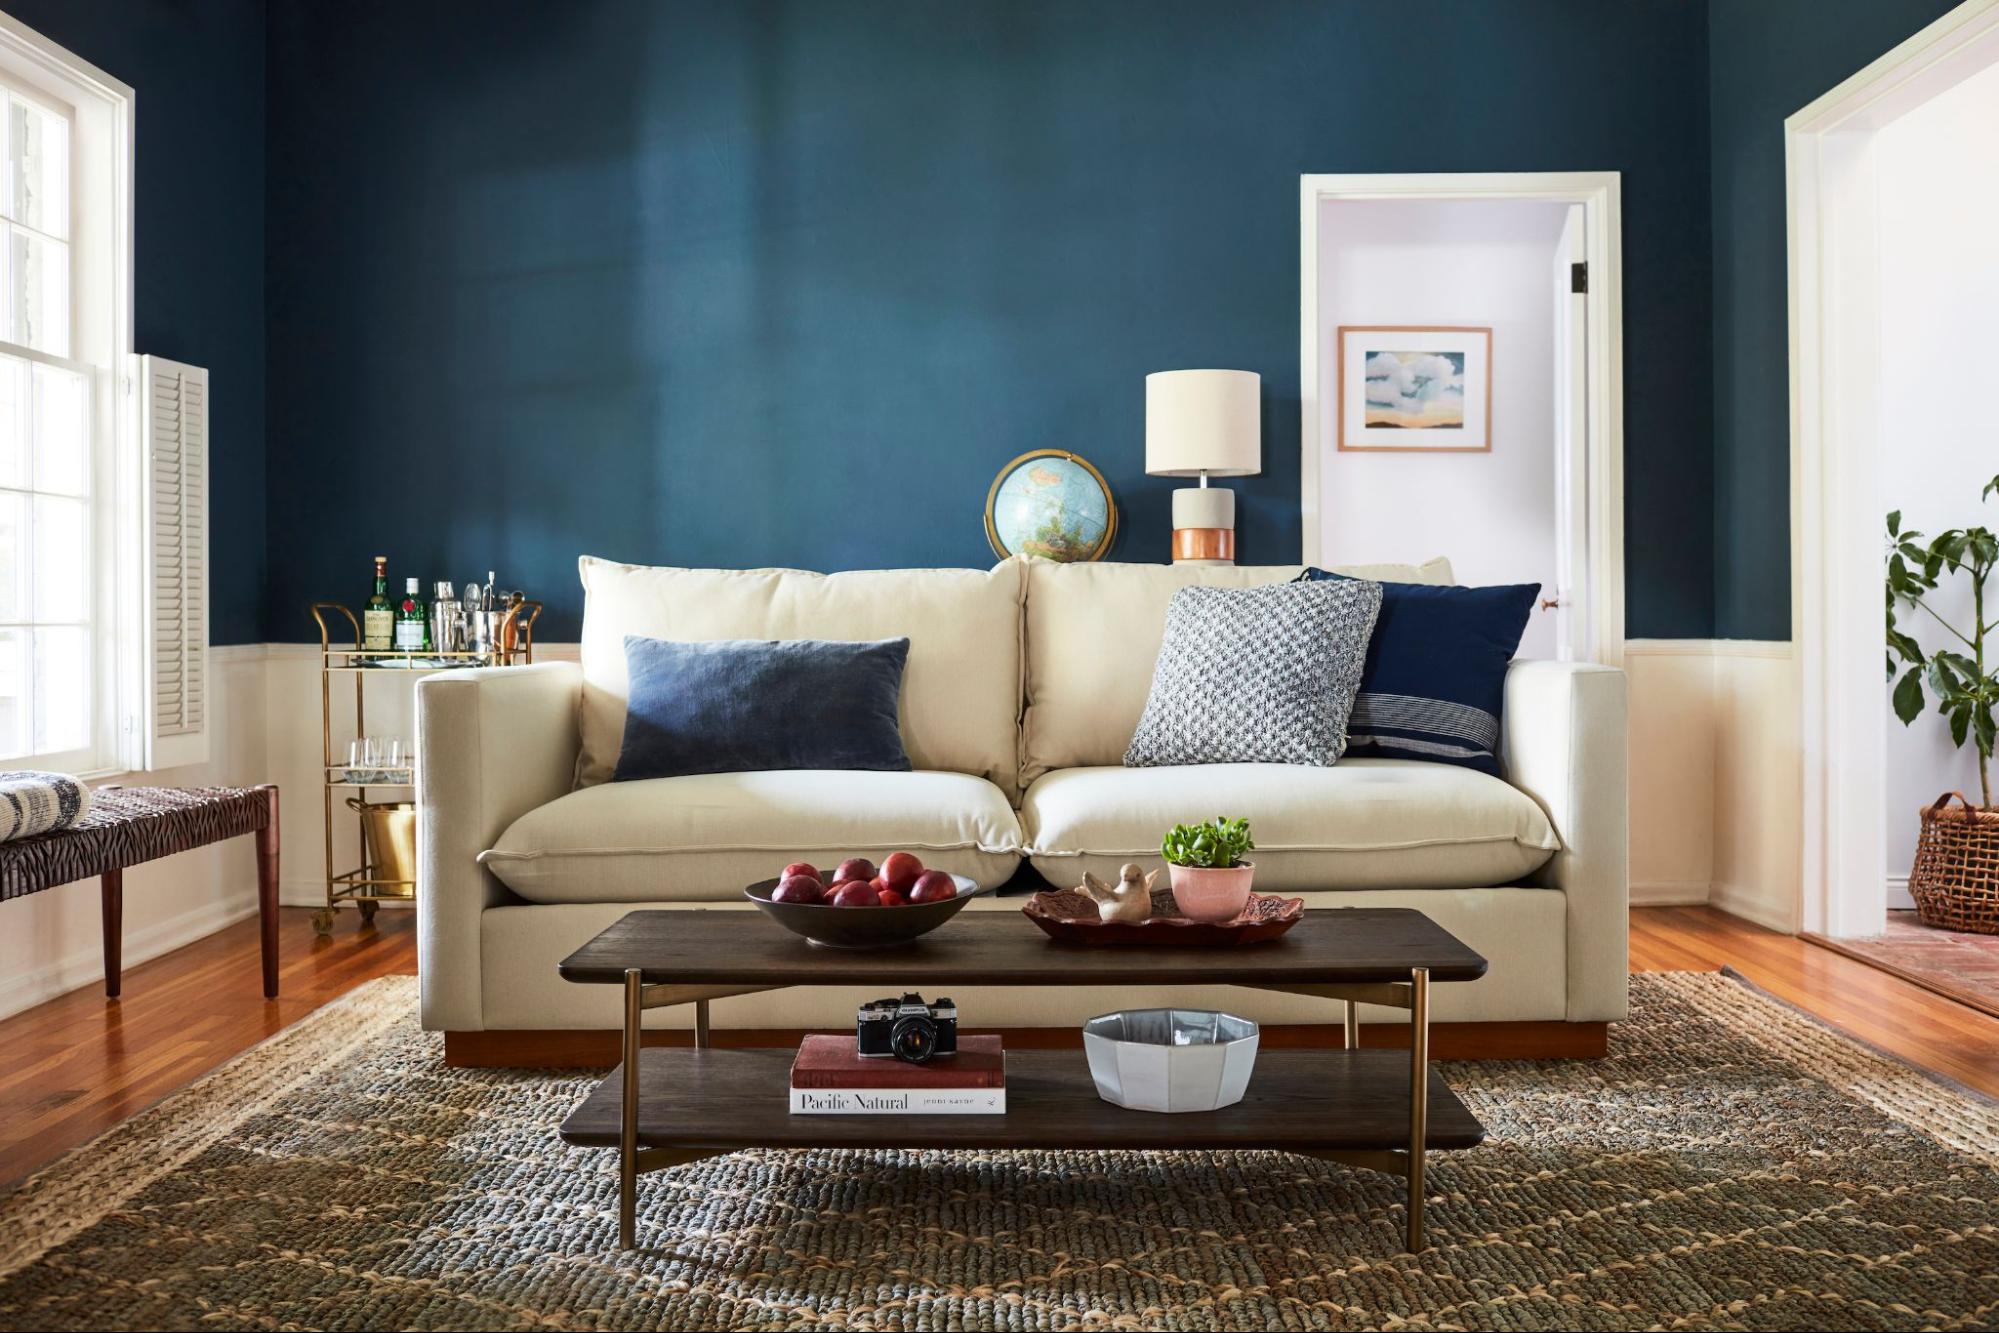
367 907
322 921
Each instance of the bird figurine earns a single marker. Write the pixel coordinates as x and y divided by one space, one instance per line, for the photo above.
1127 902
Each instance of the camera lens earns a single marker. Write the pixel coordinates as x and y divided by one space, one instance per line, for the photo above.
913 1038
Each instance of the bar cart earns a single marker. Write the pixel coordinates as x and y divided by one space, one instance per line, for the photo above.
384 873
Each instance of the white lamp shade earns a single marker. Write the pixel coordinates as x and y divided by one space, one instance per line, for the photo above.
1203 422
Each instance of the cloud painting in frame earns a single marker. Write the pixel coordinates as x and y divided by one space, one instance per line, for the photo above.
1415 389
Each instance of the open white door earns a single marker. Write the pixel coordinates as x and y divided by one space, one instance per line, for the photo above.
1570 595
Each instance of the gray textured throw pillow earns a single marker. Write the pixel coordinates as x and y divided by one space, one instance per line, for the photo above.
1262 675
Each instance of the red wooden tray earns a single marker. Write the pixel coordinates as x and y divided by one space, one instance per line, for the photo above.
1070 916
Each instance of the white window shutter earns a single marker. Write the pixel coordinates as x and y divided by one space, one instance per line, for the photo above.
173 433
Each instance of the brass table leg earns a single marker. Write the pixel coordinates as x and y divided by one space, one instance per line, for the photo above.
1353 1025
1419 1097
701 1025
628 1118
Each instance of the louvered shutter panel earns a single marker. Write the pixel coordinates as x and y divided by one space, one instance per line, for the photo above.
174 447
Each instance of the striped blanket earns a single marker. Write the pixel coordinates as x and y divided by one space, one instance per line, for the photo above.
32 803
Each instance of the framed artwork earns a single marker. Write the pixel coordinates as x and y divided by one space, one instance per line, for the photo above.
1050 504
1423 389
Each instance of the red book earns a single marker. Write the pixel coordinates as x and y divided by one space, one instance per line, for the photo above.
827 1061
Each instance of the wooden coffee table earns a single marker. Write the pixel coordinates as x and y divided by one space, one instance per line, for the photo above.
1379 1109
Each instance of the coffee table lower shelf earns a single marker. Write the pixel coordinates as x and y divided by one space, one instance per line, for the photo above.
1346 1106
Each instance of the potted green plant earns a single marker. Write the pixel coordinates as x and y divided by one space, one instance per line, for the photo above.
1957 852
1205 862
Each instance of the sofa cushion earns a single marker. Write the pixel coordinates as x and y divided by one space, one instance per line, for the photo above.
960 692
1093 633
1256 675
1361 824
703 838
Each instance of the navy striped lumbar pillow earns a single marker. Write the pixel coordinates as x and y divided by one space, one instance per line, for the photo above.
1435 680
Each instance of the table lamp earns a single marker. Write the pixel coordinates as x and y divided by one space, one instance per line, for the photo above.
1203 423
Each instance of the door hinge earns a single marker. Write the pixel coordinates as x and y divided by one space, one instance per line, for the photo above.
1579 277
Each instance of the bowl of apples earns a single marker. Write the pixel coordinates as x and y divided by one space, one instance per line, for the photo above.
860 905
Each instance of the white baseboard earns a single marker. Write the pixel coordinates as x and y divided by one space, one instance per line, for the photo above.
85 967
1753 905
1670 893
1898 894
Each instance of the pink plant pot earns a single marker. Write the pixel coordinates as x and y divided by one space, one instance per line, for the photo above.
1211 895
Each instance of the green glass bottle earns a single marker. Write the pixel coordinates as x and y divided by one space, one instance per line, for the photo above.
412 620
378 616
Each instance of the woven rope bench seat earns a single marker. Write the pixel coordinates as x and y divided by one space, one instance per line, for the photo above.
127 826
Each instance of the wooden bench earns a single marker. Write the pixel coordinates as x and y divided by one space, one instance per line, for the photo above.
128 826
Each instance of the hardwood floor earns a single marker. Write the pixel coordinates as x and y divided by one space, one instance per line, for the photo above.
76 1066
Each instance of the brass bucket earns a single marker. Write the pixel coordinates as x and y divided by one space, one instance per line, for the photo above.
388 844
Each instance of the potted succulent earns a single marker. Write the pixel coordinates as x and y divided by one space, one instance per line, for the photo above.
1210 878
1957 852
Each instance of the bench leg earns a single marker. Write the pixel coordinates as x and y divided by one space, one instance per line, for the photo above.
267 893
113 889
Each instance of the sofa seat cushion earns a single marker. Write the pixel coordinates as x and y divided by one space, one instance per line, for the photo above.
1361 824
702 838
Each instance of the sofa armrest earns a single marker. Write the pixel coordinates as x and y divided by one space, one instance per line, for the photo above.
1565 747
491 745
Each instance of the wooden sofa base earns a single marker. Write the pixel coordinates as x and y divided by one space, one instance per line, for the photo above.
589 1048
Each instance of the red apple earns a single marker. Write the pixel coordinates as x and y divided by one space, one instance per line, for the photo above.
888 897
933 886
855 893
805 868
900 869
798 889
854 867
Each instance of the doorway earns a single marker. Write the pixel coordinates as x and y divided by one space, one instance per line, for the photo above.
1521 269
1885 272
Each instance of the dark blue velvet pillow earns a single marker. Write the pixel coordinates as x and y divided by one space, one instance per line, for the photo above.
1435 680
744 705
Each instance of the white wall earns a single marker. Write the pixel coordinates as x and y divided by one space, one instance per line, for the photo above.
1464 263
1939 335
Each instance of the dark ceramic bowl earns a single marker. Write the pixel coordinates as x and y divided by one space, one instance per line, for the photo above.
860 927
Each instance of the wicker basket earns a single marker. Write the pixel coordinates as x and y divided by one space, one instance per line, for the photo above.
1955 880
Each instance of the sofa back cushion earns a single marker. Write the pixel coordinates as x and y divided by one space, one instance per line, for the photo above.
960 691
1093 635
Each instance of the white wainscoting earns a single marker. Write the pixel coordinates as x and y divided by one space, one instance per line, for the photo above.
1714 802
52 942
1715 777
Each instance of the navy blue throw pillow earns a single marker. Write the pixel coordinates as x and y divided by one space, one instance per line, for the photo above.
1435 679
745 705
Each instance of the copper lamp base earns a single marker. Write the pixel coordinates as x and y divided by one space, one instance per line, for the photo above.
1216 545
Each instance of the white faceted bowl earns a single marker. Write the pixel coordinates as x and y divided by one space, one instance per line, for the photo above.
1170 1059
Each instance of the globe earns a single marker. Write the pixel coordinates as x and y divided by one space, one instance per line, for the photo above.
1050 505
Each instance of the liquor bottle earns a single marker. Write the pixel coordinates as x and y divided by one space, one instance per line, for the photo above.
412 620
378 616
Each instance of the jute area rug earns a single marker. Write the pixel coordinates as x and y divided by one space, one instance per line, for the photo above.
1733 1164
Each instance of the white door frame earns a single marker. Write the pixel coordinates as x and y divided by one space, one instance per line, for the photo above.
1597 192
1836 510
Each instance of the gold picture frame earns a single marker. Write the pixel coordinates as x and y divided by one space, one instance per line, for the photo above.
1358 433
1096 552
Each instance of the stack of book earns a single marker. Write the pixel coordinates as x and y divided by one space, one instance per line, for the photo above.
830 1077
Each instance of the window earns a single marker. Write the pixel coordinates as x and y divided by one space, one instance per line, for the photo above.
65 337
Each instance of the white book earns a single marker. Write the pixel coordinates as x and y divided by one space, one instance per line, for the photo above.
898 1101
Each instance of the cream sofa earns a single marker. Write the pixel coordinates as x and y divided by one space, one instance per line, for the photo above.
1023 686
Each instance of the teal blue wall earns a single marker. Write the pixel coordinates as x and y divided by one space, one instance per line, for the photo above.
786 283
738 283
1767 59
197 68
